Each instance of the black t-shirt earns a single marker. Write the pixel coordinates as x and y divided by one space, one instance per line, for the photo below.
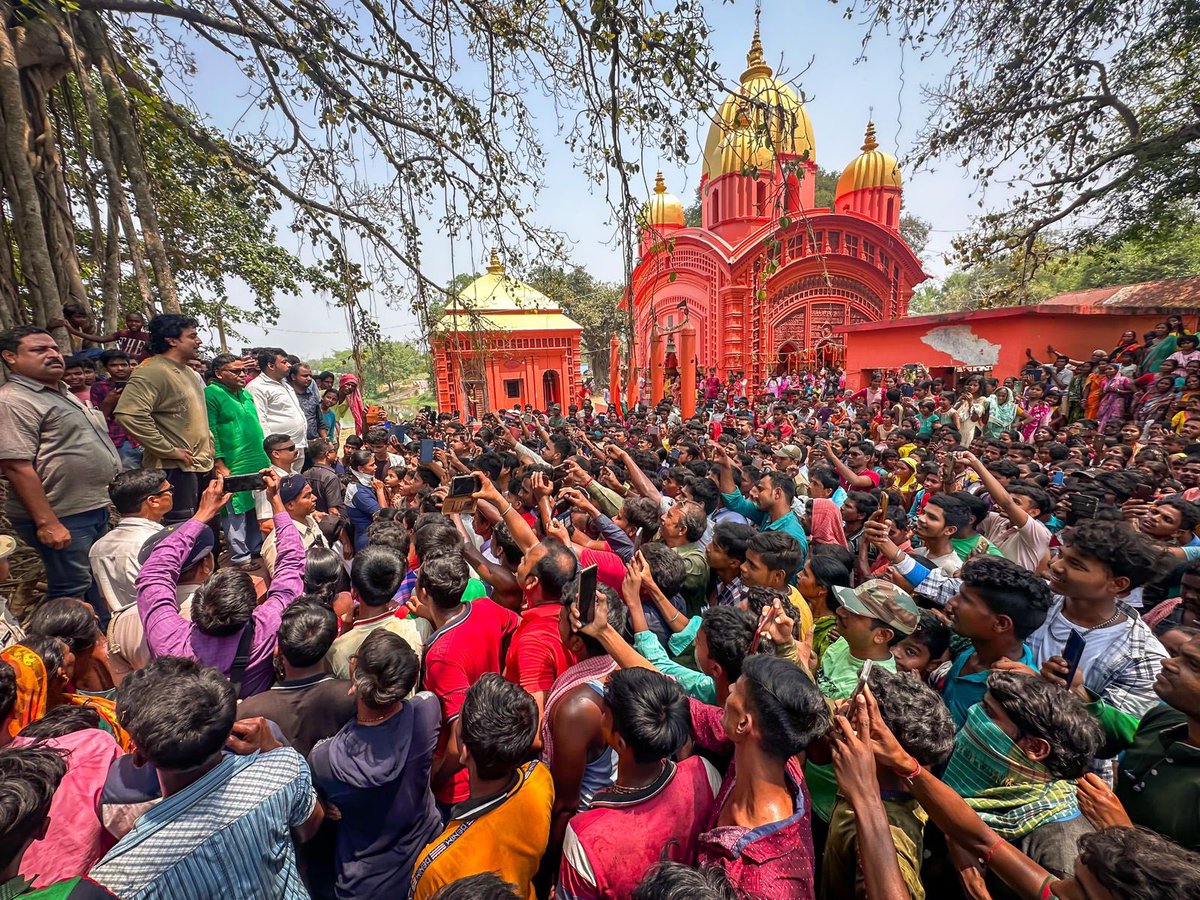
306 710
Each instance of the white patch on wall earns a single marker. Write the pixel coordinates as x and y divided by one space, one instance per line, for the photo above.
963 345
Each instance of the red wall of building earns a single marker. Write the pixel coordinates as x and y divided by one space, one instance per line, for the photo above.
508 362
995 338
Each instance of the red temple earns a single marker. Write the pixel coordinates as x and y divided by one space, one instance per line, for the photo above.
767 278
502 342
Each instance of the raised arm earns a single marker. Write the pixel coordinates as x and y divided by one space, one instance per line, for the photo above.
1002 498
861 482
950 812
517 526
637 478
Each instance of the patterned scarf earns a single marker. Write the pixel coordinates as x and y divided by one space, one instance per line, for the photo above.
594 668
1011 792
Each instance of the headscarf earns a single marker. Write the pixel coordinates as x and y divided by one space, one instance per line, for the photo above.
1000 415
31 687
1011 792
826 527
355 402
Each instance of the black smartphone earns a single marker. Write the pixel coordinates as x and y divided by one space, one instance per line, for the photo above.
427 451
558 474
587 594
464 485
119 385
1144 493
1073 653
252 482
1084 506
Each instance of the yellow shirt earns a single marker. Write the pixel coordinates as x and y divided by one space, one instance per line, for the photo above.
506 835
806 616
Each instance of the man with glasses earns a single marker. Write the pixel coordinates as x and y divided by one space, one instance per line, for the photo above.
142 497
279 410
238 446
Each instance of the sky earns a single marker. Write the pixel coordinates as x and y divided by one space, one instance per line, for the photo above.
845 85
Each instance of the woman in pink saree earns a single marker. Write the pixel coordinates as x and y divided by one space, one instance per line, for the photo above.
1114 403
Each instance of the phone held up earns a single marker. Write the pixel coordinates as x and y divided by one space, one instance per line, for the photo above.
587 595
459 499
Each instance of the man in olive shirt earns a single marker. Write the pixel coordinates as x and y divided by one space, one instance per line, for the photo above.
58 459
163 407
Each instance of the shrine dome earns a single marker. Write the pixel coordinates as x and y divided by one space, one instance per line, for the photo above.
664 208
871 169
762 118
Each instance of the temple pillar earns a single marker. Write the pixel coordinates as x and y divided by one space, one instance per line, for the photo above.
657 344
614 374
687 370
631 380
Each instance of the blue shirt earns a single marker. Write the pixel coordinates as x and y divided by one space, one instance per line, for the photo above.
961 692
361 506
226 835
787 523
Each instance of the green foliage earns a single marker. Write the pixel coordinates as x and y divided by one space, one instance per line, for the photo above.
1086 115
915 232
385 366
1167 249
591 303
826 186
692 215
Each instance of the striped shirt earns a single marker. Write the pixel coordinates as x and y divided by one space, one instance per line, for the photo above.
225 836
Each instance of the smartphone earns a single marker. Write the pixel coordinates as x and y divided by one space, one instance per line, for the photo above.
652 431
464 485
1097 449
864 676
557 474
459 499
587 594
119 385
883 506
1073 653
1144 493
1084 506
426 451
1058 478
252 482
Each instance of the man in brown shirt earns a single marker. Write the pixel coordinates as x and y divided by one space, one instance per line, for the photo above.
163 408
58 459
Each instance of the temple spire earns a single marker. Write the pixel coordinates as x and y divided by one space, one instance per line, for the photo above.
495 267
660 186
756 63
869 143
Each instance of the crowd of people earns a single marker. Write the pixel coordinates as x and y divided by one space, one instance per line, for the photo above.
918 639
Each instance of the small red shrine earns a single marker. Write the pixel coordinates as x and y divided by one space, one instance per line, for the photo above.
766 279
502 342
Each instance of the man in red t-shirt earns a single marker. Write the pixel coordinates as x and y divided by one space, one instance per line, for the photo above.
667 804
469 640
537 655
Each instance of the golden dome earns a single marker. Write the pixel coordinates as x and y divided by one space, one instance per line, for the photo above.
767 112
663 208
871 169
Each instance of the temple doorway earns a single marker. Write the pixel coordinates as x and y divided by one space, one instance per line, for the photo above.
789 358
550 389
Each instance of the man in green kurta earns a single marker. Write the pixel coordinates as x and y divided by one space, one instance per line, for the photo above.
238 447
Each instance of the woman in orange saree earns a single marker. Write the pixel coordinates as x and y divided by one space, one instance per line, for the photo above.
1094 393
43 667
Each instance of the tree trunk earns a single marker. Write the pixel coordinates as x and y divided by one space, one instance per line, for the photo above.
36 264
112 170
112 272
131 151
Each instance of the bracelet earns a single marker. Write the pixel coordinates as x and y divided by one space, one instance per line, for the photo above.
588 483
986 860
911 775
505 512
